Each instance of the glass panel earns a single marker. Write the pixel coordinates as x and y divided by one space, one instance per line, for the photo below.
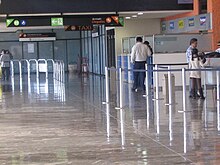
96 55
125 45
132 42
180 42
14 47
45 50
73 51
30 50
60 52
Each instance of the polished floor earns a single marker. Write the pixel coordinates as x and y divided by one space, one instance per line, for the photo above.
51 123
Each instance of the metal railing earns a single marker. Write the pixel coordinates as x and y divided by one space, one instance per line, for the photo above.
158 69
41 67
161 69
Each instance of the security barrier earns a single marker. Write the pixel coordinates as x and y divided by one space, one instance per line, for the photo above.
41 66
159 69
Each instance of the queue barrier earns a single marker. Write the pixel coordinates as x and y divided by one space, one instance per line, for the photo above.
41 66
158 69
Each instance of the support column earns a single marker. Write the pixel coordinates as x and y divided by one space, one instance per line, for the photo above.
213 7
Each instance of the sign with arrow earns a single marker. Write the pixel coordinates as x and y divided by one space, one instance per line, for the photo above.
57 21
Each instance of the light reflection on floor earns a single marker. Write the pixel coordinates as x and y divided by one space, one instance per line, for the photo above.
46 122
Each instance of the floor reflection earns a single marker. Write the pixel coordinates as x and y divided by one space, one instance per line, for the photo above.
55 123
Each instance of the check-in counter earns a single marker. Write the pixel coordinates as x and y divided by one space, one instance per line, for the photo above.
210 76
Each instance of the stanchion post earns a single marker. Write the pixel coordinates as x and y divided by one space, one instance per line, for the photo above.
205 88
46 69
184 88
157 82
28 68
107 85
184 106
170 86
121 87
63 65
12 69
20 69
147 96
146 80
37 69
218 90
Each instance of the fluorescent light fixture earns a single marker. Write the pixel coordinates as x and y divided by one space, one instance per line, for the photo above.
41 14
134 16
91 13
127 17
140 13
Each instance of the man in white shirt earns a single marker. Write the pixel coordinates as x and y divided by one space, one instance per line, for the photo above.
139 55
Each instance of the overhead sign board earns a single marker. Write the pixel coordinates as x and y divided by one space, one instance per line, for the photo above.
113 20
80 20
37 37
78 28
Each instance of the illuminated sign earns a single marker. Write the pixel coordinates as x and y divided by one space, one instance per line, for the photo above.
78 28
80 20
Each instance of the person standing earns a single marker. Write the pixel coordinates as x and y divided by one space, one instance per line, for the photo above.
150 62
139 55
193 45
196 62
5 65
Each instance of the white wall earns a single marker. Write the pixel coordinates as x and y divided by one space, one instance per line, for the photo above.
136 27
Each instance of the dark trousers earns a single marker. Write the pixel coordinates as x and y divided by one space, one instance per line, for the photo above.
150 70
5 73
139 77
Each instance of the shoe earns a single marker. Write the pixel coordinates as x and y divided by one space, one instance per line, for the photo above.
134 89
193 93
201 94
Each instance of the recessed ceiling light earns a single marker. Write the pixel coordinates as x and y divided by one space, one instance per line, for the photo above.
140 13
127 17
134 16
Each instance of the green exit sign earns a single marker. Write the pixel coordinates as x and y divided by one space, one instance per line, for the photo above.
56 21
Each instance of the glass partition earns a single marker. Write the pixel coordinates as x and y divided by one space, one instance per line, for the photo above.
170 43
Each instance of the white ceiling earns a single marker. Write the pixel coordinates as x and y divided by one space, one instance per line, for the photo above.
152 14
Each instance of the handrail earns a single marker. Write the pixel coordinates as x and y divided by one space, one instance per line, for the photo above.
45 61
58 68
28 66
12 67
37 69
53 62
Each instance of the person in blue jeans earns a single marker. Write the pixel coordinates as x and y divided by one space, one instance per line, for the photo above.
150 61
139 55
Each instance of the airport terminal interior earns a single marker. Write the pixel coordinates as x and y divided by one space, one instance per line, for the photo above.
69 99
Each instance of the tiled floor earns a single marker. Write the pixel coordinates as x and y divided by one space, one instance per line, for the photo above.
49 123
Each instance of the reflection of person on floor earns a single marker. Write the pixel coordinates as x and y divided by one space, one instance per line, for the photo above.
196 123
196 62
139 55
5 65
